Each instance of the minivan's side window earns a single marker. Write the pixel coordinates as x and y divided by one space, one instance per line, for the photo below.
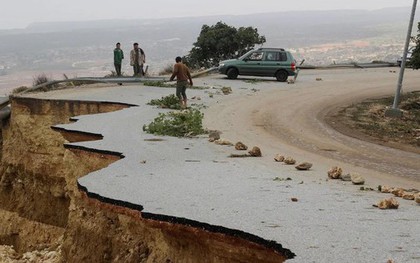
282 56
271 56
256 56
276 56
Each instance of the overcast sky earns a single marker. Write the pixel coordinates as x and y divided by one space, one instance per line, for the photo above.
20 13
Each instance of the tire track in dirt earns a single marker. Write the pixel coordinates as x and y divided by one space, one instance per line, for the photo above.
296 119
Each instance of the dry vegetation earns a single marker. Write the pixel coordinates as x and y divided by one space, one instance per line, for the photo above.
368 118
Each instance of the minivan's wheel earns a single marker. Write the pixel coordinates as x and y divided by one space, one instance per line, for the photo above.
232 73
281 75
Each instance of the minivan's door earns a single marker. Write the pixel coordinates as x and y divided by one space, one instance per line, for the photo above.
273 61
251 65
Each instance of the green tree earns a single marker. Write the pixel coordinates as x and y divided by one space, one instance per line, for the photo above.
415 57
220 42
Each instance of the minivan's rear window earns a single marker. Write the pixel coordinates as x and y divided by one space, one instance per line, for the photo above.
275 56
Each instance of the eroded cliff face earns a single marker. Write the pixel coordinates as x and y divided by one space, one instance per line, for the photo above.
42 208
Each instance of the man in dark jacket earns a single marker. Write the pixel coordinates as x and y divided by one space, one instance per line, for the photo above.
118 57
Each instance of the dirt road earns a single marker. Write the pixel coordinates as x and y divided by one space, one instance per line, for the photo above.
291 119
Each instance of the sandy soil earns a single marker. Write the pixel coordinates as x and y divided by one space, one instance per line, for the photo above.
292 120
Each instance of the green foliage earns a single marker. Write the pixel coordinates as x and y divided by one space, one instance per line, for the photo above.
415 57
19 89
113 74
40 79
159 83
177 123
220 42
163 84
171 102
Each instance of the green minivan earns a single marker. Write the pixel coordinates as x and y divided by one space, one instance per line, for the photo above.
267 62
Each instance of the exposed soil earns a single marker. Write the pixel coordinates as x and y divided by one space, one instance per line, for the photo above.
367 121
45 217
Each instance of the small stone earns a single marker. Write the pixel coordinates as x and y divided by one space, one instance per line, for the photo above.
294 199
408 196
357 179
289 161
398 192
385 189
345 177
417 198
214 135
279 158
226 90
240 146
255 152
303 166
390 203
335 172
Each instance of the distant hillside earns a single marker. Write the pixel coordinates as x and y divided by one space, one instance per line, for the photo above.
66 45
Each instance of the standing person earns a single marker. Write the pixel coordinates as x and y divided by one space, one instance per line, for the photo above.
183 75
137 59
118 57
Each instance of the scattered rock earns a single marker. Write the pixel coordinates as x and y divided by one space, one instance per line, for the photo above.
417 198
399 192
289 160
304 166
357 179
282 179
214 135
279 158
390 203
227 90
239 155
255 152
385 189
408 196
240 146
318 79
294 199
335 172
345 177
223 142
291 81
